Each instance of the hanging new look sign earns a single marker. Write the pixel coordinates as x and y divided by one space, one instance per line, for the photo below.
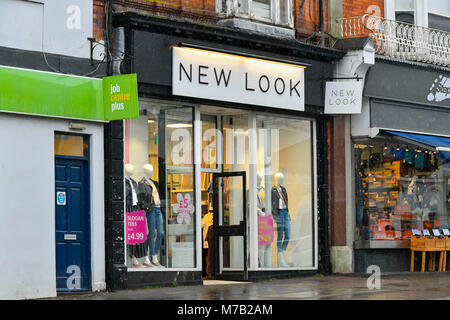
343 97
233 78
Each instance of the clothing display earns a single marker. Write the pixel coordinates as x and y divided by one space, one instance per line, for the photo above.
279 199
132 201
283 229
149 195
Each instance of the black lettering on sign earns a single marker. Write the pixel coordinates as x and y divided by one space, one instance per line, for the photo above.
246 83
267 83
189 76
294 88
279 80
222 75
200 74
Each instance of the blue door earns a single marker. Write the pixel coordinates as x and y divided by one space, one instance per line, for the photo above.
72 224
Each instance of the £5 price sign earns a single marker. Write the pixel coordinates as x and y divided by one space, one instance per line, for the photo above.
136 229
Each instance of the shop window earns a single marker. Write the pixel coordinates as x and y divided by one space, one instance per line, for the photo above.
285 192
159 187
399 188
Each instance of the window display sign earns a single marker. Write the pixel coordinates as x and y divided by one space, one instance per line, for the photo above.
265 230
184 209
120 97
228 77
136 231
343 97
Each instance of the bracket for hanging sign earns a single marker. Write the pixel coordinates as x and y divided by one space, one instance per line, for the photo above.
357 78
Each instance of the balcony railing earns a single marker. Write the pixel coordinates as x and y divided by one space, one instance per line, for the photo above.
400 40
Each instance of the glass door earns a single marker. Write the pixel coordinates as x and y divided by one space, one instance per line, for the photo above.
230 226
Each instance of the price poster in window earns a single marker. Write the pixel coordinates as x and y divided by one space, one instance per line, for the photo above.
136 228
265 230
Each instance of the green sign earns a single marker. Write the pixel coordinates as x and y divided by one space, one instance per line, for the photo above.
66 96
120 97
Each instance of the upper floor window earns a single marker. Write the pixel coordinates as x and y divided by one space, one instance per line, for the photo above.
278 12
434 14
404 11
439 15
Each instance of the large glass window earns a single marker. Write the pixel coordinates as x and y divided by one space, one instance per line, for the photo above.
399 187
159 187
285 192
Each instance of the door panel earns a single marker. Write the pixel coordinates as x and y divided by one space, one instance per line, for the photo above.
72 224
230 225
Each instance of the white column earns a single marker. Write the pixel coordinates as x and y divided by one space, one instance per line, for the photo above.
252 196
198 187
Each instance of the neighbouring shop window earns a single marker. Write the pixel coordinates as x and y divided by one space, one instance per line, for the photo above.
285 192
159 187
399 187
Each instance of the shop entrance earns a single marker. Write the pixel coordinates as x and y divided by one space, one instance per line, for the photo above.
230 226
72 213
225 167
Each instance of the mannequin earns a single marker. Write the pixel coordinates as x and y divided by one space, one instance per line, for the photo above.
265 250
133 204
280 214
151 203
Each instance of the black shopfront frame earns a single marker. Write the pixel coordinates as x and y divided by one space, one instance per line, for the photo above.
148 43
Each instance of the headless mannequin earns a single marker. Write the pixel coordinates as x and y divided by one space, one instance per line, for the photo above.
265 250
129 171
148 173
283 226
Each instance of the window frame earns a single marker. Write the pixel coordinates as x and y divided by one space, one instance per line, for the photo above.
420 11
232 9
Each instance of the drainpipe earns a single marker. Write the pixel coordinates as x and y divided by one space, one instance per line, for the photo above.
321 26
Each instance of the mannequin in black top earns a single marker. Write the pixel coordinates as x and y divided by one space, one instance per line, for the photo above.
280 213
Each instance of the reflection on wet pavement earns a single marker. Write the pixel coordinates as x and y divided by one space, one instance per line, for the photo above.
408 286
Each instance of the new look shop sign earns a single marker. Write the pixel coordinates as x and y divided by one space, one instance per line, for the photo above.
343 97
227 77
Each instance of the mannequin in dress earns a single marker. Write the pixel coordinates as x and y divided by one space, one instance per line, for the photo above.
151 203
280 214
133 203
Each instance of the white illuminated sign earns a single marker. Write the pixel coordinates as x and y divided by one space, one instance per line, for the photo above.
343 97
227 77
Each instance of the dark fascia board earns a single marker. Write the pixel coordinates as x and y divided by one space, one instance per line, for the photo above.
219 34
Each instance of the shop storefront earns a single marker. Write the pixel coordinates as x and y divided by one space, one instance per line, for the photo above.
222 166
51 184
401 163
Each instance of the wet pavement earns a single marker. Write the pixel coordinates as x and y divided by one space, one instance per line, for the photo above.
407 286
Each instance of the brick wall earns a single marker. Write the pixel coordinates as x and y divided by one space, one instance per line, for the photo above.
353 8
305 12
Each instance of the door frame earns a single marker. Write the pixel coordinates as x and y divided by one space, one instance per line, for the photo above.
87 162
230 230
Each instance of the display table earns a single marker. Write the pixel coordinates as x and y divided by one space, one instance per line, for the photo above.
431 245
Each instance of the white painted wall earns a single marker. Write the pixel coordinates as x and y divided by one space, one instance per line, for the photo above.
52 26
27 206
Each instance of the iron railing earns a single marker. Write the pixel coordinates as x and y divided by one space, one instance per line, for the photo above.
400 40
